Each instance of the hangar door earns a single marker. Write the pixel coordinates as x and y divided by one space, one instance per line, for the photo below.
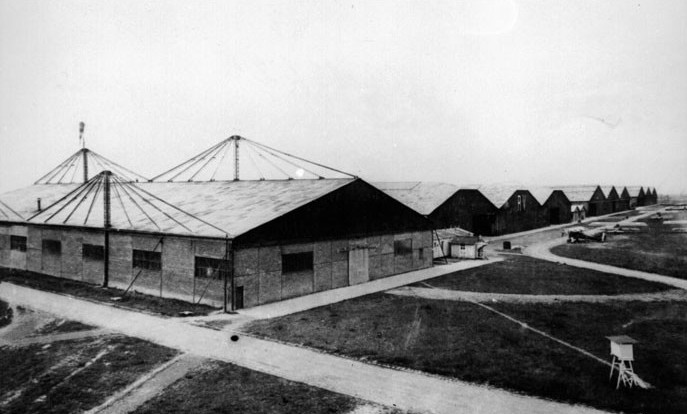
358 266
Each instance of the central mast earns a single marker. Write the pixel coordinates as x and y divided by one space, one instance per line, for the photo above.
236 139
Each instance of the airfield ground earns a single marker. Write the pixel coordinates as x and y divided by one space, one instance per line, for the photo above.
521 324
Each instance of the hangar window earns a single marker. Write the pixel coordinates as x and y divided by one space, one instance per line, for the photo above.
93 252
520 206
144 259
403 247
296 262
209 268
18 243
52 247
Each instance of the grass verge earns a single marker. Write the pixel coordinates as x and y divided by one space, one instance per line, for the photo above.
654 252
72 376
525 275
133 300
222 387
465 341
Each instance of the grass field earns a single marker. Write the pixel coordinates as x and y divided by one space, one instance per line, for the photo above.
133 300
465 341
525 275
655 252
219 387
71 376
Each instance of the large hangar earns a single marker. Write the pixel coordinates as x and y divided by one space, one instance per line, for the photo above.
446 205
236 243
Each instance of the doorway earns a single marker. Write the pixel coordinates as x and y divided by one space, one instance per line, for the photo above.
555 215
238 297
358 266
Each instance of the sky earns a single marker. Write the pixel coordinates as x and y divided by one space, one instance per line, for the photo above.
466 92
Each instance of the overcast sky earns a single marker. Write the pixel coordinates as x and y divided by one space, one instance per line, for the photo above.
531 92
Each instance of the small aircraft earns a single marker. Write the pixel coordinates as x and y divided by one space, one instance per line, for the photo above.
582 235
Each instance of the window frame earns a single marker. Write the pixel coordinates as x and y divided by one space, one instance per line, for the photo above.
93 252
147 259
51 247
220 268
18 243
403 247
297 262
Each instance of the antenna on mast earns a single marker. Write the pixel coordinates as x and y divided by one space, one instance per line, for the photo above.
82 127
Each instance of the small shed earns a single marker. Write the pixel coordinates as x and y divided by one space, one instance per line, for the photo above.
467 247
442 239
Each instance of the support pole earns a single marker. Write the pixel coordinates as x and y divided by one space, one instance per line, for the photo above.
84 151
107 225
233 293
226 253
84 154
236 139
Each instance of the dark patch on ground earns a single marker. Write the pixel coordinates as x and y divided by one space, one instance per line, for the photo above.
525 275
133 300
658 252
465 341
42 379
220 387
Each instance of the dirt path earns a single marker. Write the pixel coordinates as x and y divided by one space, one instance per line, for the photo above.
464 296
148 386
405 389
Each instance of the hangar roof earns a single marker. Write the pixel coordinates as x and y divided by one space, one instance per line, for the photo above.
423 197
216 208
634 190
582 193
498 194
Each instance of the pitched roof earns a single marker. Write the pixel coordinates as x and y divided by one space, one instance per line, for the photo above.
578 192
73 169
239 206
423 197
7 213
131 208
634 190
24 200
608 190
443 234
232 206
239 157
498 194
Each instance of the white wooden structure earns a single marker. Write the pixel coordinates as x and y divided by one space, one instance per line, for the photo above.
623 355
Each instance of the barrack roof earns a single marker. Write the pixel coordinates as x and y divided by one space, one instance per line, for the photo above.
423 197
